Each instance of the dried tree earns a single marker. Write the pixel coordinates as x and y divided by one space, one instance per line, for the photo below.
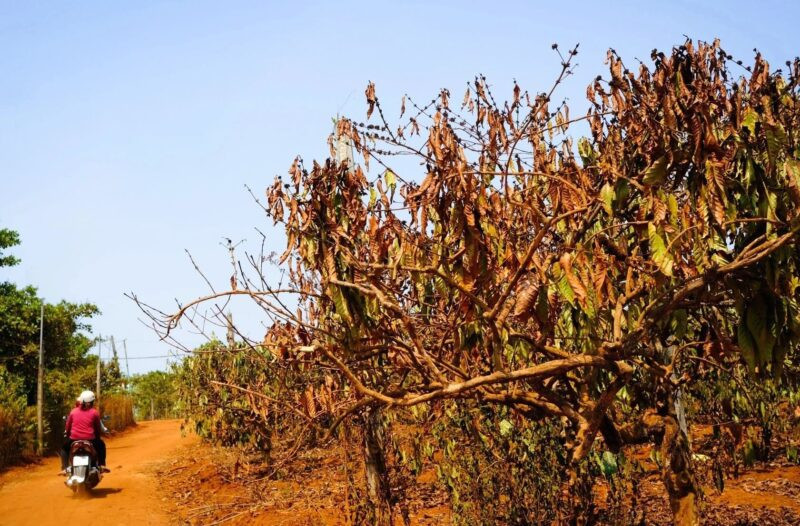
515 272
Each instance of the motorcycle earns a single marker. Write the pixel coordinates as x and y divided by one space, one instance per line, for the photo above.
83 470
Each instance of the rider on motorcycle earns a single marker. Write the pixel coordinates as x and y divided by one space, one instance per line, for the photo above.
83 423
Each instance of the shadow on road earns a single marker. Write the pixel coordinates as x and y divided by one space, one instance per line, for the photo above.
102 493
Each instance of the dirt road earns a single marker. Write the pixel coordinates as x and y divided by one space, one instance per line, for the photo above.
34 495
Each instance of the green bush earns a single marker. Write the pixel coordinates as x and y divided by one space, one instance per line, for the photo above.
154 395
17 422
499 468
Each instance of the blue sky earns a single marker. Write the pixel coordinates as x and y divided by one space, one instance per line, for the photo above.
129 129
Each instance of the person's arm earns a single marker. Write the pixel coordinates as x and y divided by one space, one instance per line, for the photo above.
98 430
68 426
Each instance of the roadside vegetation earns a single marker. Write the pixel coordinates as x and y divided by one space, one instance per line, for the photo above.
154 395
69 368
543 321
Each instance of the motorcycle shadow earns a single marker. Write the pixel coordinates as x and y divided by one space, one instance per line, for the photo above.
101 493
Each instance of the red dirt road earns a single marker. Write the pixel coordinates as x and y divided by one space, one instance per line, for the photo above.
34 495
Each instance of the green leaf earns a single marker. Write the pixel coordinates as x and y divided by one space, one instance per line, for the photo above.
655 456
672 204
679 323
609 463
607 195
656 172
391 179
564 288
622 191
749 173
440 285
506 427
747 345
340 304
678 85
750 120
658 250
760 325
776 141
542 307
587 153
749 453
792 454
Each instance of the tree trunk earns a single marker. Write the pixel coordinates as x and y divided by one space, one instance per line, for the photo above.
378 489
671 439
676 460
677 473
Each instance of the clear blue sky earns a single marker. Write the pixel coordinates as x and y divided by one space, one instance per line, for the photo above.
128 129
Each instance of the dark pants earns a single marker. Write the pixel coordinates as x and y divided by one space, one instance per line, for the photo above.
99 447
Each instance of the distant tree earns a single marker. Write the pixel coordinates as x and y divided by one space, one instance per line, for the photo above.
154 395
8 239
66 341
111 377
68 366
16 422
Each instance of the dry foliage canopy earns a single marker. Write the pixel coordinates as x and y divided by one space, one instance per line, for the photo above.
578 281
493 260
520 273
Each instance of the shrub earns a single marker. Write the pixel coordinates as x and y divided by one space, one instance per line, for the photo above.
16 420
155 395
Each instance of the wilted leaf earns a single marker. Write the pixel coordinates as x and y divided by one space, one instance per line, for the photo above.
370 93
525 301
574 282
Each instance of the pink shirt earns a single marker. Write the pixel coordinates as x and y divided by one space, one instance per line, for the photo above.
83 424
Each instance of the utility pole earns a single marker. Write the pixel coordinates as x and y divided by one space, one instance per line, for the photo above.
231 340
97 387
125 350
40 387
116 358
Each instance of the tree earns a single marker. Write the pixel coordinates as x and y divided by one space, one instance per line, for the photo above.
154 394
66 343
8 239
111 377
65 333
16 421
518 273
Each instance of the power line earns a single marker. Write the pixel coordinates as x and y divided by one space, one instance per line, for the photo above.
153 357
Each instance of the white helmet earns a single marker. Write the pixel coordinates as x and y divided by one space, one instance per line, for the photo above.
87 397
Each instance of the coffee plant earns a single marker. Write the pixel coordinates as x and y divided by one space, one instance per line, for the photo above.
550 292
